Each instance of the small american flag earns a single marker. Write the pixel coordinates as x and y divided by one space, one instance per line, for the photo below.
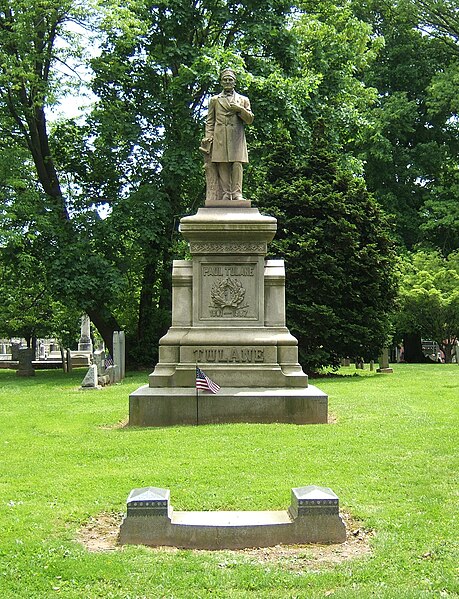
109 361
204 382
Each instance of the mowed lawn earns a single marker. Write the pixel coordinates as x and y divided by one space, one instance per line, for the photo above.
391 455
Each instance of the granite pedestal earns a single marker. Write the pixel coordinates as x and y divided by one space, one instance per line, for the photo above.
228 317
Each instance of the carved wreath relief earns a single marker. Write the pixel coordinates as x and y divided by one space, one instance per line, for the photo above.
227 297
228 290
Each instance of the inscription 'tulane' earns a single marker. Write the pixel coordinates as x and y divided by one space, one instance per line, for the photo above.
230 354
218 270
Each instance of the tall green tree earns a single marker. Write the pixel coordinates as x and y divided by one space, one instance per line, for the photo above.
157 65
336 242
440 224
429 299
29 309
411 146
340 284
33 42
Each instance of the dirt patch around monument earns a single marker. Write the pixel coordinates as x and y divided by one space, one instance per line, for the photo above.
124 423
100 534
332 418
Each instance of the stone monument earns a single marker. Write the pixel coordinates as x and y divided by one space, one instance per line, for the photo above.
25 366
384 366
85 343
91 379
83 356
228 304
312 517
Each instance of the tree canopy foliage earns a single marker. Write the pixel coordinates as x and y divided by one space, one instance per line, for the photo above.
337 244
430 299
91 205
411 146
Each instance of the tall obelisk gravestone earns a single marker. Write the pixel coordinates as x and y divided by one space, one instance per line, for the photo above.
228 316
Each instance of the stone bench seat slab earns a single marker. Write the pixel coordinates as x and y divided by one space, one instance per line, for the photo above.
228 519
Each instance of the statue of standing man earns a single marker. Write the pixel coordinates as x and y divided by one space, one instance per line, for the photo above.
224 145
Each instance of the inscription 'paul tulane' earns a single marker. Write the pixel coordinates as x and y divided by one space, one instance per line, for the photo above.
230 354
218 270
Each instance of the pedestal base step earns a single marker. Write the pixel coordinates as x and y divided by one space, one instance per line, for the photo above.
152 406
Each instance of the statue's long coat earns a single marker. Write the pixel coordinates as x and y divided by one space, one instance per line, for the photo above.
227 129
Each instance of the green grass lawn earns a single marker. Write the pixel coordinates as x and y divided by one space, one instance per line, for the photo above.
392 456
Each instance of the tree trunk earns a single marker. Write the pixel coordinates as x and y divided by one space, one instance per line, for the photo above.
413 353
447 350
146 302
105 323
154 315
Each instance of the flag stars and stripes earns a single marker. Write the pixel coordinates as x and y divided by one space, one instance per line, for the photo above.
204 382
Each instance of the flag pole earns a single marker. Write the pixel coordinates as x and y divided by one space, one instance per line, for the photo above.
197 398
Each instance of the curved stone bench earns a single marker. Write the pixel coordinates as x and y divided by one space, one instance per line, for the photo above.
313 517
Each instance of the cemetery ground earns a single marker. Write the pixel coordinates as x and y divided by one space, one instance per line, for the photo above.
390 453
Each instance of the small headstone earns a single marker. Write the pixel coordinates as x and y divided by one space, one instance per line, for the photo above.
118 355
90 381
26 355
384 362
99 360
103 380
85 343
15 351
122 339
111 372
80 359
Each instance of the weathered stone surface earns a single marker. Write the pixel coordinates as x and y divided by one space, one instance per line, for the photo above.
148 501
384 367
90 380
228 316
80 358
313 500
224 146
99 360
151 520
113 374
119 355
103 380
153 406
85 342
25 357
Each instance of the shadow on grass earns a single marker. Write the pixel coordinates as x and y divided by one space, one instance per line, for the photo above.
42 377
342 378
